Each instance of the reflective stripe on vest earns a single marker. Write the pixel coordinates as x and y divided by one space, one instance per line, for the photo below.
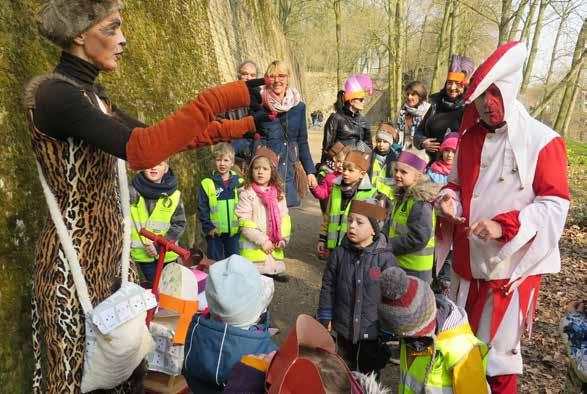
254 252
451 346
222 213
158 222
420 260
337 220
378 171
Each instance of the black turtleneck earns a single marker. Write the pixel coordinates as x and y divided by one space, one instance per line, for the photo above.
64 110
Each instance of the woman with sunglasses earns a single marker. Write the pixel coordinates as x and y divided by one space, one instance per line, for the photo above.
446 108
347 124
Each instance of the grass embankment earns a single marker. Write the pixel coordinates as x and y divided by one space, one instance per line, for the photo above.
577 175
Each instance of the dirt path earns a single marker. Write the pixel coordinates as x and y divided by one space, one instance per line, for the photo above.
300 294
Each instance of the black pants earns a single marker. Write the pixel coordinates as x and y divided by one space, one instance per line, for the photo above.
364 356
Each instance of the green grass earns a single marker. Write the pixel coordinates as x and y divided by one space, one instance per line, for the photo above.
577 175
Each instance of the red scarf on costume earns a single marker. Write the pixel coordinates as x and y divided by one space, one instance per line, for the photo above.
269 199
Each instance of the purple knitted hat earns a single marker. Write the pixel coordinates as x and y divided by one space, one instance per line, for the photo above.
407 306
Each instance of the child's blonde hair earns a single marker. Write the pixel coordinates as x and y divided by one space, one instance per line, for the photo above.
223 149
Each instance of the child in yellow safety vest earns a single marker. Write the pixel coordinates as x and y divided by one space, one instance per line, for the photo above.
385 153
410 228
217 200
438 351
155 204
263 217
354 183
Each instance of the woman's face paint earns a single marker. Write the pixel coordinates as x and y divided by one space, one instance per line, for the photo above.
104 43
454 89
490 106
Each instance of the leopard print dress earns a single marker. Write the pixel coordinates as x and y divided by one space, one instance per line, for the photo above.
84 181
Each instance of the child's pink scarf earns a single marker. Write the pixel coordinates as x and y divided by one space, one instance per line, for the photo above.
269 200
440 167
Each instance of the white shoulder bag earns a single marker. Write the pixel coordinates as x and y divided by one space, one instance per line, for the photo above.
117 338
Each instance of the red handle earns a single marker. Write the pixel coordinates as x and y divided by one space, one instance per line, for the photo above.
166 244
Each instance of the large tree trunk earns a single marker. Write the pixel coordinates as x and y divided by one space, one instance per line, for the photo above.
435 85
529 20
572 80
399 55
453 28
504 21
565 129
517 19
419 63
337 17
534 48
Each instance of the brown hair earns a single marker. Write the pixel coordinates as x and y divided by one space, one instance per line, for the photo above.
275 179
418 88
332 372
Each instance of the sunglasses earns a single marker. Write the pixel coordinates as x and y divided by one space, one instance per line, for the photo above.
278 76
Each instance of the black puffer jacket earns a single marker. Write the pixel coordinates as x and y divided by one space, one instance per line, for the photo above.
442 115
350 288
348 128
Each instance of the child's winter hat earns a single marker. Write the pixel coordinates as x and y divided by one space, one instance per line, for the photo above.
267 153
335 149
461 68
386 132
408 305
61 20
413 158
360 159
236 292
451 141
370 208
357 86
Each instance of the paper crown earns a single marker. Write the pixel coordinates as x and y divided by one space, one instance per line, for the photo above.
357 86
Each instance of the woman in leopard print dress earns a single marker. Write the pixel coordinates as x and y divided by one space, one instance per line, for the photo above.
77 135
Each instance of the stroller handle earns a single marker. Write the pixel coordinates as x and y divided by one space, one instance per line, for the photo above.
166 244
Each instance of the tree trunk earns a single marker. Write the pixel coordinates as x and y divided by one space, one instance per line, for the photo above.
555 49
338 43
567 80
439 51
418 65
504 22
399 55
391 62
517 20
534 48
578 56
564 131
453 28
529 20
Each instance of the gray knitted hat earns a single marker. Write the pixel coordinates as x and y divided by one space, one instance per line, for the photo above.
61 20
408 305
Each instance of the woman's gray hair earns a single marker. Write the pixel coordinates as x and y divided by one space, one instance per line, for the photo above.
61 21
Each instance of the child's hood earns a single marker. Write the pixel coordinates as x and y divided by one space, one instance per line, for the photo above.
423 190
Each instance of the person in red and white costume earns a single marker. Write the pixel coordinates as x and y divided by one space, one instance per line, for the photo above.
504 208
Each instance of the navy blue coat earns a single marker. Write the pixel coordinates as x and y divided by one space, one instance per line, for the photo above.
289 145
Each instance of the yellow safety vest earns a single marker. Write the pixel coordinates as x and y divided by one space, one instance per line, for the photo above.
420 260
222 212
450 347
254 252
337 221
377 171
158 222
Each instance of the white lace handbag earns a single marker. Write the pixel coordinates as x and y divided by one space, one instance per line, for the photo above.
117 337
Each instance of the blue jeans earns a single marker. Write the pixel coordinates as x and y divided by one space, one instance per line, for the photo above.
149 270
222 247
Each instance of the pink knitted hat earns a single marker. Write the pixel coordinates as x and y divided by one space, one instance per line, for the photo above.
451 141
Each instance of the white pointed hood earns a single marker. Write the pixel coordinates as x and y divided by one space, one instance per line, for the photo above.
504 69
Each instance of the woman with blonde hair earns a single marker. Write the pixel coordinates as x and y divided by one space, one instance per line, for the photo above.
286 133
